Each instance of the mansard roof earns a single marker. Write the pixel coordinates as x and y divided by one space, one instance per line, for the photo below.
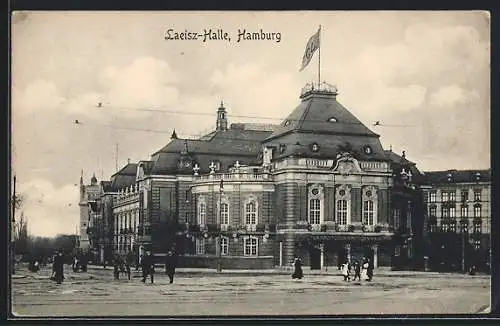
240 142
321 113
457 176
106 186
320 119
124 177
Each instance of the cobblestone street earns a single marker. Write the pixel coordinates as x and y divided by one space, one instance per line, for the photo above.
96 294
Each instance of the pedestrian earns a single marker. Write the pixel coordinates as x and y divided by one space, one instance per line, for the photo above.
297 273
128 263
148 267
139 263
369 270
58 268
116 267
357 271
345 271
170 264
364 269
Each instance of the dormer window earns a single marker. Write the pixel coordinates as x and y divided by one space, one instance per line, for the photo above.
314 147
332 119
282 148
368 150
287 123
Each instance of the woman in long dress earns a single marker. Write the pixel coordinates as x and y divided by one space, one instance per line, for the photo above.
297 273
364 270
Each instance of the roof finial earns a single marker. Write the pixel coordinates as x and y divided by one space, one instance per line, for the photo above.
174 135
222 103
404 154
81 177
390 147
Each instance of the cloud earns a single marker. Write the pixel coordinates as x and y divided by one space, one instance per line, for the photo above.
38 96
257 90
50 210
452 95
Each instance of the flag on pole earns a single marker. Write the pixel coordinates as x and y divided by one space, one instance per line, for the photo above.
312 46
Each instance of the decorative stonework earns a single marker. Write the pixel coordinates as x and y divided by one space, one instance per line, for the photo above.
346 164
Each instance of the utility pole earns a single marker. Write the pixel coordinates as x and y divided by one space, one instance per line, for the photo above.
13 228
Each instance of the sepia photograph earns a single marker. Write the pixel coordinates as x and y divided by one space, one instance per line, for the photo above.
175 164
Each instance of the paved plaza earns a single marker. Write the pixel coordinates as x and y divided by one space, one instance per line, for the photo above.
200 293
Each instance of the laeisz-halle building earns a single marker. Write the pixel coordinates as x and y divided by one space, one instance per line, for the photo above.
319 185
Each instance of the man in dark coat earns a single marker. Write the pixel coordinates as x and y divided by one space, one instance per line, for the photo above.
147 267
357 270
116 266
128 263
297 273
170 264
58 267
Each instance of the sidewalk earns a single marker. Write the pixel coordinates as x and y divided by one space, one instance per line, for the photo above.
379 272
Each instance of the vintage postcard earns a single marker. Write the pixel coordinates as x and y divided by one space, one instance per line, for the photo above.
215 163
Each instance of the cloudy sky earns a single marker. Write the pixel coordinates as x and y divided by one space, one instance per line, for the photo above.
424 75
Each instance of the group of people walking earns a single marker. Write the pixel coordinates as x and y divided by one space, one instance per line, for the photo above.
363 271
147 264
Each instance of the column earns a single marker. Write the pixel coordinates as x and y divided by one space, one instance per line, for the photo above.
375 255
322 256
288 249
348 251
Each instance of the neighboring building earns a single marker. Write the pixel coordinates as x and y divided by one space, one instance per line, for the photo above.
458 205
89 194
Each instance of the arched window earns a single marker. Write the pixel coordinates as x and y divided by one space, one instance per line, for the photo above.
251 213
368 212
315 207
343 201
342 212
224 214
202 212
477 211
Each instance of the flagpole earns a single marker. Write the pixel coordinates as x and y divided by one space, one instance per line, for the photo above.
319 57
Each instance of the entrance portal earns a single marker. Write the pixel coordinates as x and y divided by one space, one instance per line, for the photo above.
315 258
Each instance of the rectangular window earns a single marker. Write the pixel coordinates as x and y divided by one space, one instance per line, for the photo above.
368 212
432 197
224 214
477 244
477 194
202 214
445 196
397 218
477 227
464 196
445 226
432 211
452 196
453 226
452 212
250 245
200 246
314 211
397 251
477 211
464 211
224 245
445 212
342 212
